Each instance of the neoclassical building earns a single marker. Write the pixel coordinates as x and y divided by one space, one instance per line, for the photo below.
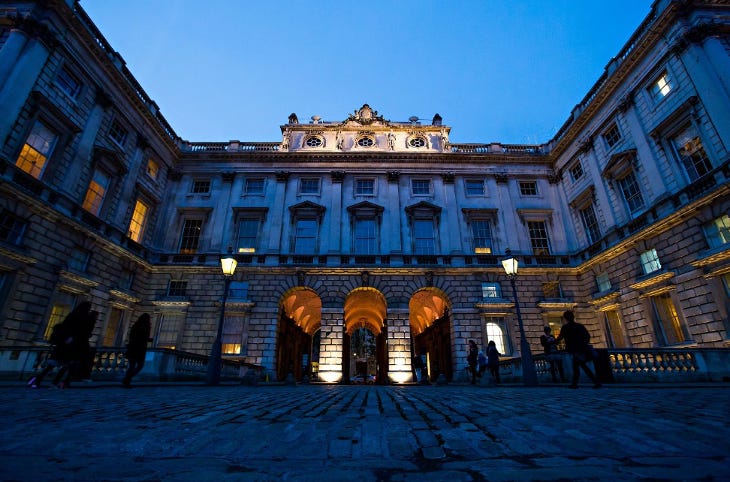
362 240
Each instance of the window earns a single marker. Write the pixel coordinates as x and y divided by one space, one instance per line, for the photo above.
661 87
78 260
691 153
309 185
603 282
491 290
113 334
153 169
612 135
68 83
551 290
171 325
631 192
650 261
590 223
238 290
495 331
117 133
247 235
482 235
305 237
177 288
538 237
421 187
12 227
138 222
366 142
60 307
717 231
576 171
424 236
669 327
365 236
615 329
417 142
201 186
95 193
364 187
475 187
37 149
190 236
528 188
313 142
126 279
232 337
254 186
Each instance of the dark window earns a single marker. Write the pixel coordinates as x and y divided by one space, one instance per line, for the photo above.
612 135
576 171
482 234
201 186
631 192
255 185
528 188
475 187
118 134
309 185
365 236
177 288
248 232
190 236
539 237
364 187
11 227
68 83
421 187
590 223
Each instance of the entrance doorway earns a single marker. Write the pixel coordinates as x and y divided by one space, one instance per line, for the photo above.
364 352
430 322
300 318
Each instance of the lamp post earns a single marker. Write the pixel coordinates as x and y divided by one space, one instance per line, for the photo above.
529 376
228 265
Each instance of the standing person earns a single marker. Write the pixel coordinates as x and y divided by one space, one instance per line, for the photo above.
550 347
482 362
137 348
472 358
418 365
577 344
79 349
493 360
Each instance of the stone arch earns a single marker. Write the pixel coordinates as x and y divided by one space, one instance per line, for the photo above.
430 322
300 319
365 308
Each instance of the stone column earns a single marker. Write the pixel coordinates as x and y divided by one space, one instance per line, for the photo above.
399 346
330 348
128 197
392 240
450 221
644 151
278 205
334 241
10 52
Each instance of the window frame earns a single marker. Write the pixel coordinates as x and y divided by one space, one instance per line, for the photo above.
28 165
716 236
64 74
254 246
94 198
576 167
612 135
15 227
469 192
538 248
118 133
691 165
360 192
247 184
191 233
139 237
658 92
649 261
487 248
201 186
428 183
310 180
528 188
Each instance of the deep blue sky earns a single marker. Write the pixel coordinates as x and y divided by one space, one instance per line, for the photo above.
495 70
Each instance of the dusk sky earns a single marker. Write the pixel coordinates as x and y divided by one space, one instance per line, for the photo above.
495 70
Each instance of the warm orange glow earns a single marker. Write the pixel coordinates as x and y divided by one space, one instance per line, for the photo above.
137 224
31 161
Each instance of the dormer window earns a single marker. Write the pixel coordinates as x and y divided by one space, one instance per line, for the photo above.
366 141
314 141
417 142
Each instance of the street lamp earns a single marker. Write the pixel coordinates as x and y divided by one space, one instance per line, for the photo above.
228 265
529 376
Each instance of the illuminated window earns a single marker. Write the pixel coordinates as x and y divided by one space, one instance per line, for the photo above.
68 83
424 236
233 336
366 142
482 235
421 187
364 187
153 169
190 236
491 290
691 153
631 192
590 223
113 335
95 193
616 333
576 171
305 237
551 290
200 186
60 307
138 222
248 233
313 141
494 330
475 187
612 135
661 87
365 236
118 134
650 261
538 237
254 186
669 326
37 149
603 282
309 185
528 188
717 231
171 326
12 227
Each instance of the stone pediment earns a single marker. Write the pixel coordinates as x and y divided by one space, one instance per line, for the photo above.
365 116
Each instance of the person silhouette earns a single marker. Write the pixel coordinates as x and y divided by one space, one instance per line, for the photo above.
137 348
577 343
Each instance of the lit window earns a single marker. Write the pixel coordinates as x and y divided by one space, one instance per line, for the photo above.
669 326
59 311
650 261
528 188
68 83
661 87
138 221
95 193
717 231
612 135
491 290
37 149
190 236
248 233
309 185
12 227
364 187
691 153
113 332
590 223
482 234
616 332
538 237
177 288
576 171
313 142
118 134
424 236
365 238
366 142
495 332
631 192
417 142
200 186
254 186
421 187
153 169
232 337
475 187
603 282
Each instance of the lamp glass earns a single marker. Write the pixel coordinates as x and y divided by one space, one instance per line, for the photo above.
510 265
228 265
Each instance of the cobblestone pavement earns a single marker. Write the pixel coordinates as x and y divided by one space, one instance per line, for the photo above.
364 433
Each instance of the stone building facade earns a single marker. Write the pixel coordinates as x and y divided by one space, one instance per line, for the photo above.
363 225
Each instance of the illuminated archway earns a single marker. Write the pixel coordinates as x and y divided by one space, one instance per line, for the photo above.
430 322
300 318
365 309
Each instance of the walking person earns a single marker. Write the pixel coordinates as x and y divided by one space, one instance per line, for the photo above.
577 343
550 347
137 348
472 359
493 361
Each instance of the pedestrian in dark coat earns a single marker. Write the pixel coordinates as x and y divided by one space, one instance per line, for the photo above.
550 346
493 360
137 348
577 343
472 358
80 352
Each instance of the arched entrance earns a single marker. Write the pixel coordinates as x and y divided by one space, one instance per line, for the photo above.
365 311
430 322
300 317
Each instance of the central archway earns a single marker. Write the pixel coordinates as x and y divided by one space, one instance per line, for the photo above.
300 318
365 310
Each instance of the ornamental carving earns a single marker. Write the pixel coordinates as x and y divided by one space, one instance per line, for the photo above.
365 116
